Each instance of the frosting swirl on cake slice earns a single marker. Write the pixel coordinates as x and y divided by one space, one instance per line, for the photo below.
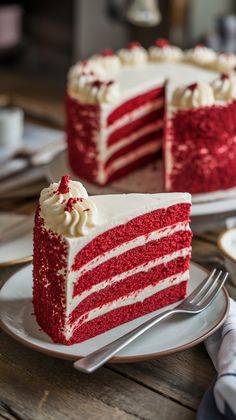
66 208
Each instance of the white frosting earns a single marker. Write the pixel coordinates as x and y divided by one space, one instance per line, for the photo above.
225 62
224 88
201 55
129 299
167 53
133 56
193 97
107 62
85 67
72 222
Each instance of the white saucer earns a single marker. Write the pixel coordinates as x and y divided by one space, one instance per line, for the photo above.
148 180
17 252
175 334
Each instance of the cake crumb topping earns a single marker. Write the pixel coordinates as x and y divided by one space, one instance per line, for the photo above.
108 52
64 185
134 44
162 42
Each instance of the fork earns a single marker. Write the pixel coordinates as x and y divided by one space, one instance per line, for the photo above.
196 302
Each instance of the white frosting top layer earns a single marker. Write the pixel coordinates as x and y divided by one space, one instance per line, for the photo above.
66 208
224 87
110 79
193 96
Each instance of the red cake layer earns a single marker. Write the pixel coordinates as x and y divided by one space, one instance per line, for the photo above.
135 103
133 258
124 314
49 257
203 149
83 125
141 225
130 284
130 128
150 137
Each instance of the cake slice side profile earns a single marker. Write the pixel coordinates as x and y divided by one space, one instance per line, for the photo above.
101 261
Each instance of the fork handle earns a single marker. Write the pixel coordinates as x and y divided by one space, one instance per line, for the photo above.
97 358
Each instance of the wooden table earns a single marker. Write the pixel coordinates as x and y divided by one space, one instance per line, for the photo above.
35 386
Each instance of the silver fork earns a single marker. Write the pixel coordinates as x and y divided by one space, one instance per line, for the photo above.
193 304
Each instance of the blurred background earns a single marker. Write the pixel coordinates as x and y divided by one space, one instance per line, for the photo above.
40 39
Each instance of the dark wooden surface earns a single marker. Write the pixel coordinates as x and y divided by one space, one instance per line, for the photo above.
36 386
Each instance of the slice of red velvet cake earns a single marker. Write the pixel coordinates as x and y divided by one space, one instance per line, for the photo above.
101 261
200 146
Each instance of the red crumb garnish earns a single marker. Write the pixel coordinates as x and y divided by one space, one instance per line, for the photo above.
134 44
84 62
224 76
97 83
86 210
70 204
192 87
64 185
200 45
162 42
107 53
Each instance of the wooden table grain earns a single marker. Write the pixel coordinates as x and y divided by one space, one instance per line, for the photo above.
34 386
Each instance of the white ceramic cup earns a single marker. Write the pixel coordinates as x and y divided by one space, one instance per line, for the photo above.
11 127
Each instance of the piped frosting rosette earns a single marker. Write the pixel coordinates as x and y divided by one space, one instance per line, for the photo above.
195 95
201 55
164 51
225 62
67 209
87 80
134 54
224 87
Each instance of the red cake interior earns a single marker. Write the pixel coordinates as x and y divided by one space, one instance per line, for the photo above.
141 225
86 130
202 143
121 315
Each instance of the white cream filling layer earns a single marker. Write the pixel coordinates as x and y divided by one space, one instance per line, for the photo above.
131 299
119 277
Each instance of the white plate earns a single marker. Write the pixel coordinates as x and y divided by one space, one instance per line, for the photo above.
175 334
148 180
19 250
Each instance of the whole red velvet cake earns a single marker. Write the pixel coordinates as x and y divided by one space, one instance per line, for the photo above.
122 111
101 261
